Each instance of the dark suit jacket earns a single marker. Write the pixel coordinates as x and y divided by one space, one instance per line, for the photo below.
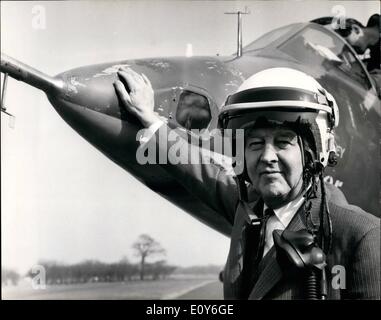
356 234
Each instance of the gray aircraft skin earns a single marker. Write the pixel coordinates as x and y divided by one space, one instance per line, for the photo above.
86 99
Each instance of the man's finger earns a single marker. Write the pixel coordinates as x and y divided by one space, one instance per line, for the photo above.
122 93
128 79
134 75
132 72
146 80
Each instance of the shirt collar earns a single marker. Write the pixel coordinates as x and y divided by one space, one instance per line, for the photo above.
287 212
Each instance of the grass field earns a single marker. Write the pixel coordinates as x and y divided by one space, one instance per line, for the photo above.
159 289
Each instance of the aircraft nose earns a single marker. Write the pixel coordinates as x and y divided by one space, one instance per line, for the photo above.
108 133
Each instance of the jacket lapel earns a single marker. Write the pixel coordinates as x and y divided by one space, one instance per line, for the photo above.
270 270
244 214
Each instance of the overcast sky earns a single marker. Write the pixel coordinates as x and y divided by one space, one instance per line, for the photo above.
61 198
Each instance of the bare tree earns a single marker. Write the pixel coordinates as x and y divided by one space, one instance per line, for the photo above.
146 247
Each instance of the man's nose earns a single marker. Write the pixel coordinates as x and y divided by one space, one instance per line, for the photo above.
269 153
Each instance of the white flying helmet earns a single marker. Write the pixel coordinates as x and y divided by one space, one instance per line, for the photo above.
284 95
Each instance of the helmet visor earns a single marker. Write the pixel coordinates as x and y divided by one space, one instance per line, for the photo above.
241 119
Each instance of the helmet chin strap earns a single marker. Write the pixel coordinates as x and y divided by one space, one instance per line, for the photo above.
300 143
303 190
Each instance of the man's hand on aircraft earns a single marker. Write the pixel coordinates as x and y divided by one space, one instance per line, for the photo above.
136 94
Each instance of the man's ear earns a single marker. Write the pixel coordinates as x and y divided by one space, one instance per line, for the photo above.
357 29
356 33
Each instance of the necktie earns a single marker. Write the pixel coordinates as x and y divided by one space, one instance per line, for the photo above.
262 235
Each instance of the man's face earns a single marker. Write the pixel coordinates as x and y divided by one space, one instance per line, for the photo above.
274 164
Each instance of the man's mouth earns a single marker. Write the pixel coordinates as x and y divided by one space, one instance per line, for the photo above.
270 172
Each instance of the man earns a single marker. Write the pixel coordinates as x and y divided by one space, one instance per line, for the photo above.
359 37
288 120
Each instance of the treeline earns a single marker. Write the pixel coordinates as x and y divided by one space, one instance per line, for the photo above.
200 270
9 276
96 271
145 247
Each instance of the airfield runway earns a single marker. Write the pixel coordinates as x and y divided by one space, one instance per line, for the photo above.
155 290
210 291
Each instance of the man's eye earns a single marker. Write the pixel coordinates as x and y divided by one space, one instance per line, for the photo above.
283 143
255 145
